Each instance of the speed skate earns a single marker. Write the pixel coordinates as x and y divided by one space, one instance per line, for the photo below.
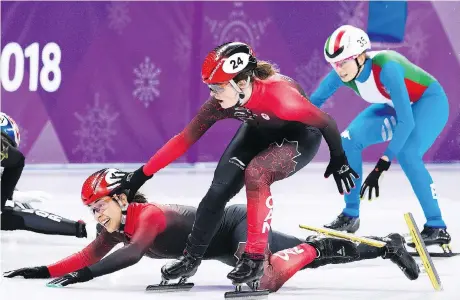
165 286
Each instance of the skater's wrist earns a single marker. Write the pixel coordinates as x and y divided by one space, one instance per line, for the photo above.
382 165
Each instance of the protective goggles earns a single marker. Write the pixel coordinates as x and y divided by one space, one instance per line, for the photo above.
217 88
341 63
101 205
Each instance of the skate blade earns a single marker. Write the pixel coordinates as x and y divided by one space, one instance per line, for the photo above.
173 287
436 254
259 294
446 248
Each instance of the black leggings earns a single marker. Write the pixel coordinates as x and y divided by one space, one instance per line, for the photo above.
39 221
240 160
231 236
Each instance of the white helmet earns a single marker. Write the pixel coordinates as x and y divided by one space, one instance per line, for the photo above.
346 41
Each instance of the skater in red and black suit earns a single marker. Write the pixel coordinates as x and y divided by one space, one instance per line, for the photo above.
160 231
280 134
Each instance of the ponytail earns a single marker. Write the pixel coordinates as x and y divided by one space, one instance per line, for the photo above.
262 71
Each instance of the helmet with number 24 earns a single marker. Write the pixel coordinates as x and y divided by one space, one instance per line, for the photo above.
227 61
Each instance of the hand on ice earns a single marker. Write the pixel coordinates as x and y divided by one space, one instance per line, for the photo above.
27 273
81 275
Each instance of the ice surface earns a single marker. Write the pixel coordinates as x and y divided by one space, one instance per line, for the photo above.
305 198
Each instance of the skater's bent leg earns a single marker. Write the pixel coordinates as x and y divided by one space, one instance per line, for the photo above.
40 222
277 162
227 182
430 115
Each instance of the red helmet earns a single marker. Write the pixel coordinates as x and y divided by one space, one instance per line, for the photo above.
100 184
226 61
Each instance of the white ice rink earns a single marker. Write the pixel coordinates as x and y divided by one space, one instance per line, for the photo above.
305 198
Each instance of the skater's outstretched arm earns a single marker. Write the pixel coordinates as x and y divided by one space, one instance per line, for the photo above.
150 223
209 113
86 257
328 86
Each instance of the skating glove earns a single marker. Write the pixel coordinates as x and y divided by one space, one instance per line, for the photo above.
130 181
28 273
372 180
81 275
342 172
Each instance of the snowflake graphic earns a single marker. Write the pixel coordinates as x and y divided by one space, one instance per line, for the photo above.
146 82
310 75
238 27
118 16
353 14
183 49
416 41
96 132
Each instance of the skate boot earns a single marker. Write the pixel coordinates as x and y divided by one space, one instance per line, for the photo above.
344 223
331 251
249 270
435 236
183 268
397 253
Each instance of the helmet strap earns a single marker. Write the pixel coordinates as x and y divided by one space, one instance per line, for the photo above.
124 210
240 92
359 68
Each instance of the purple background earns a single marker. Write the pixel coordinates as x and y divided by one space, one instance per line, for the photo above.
110 50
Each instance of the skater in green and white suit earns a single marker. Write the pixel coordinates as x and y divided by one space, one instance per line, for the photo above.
408 108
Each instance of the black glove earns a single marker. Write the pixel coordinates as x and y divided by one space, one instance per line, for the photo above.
81 275
372 180
342 172
27 273
131 182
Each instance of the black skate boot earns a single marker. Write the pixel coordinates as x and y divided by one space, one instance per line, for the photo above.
331 251
344 223
397 253
183 268
249 270
435 236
